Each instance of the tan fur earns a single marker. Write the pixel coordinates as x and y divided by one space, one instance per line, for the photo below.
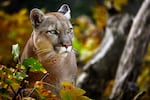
45 46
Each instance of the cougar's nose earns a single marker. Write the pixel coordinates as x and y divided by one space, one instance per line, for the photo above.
66 45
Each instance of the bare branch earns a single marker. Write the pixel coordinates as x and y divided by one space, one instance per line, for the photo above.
140 94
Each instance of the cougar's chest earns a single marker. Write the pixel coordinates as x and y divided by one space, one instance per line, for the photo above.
60 63
61 68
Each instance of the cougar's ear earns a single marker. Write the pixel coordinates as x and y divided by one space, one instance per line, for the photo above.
65 10
36 17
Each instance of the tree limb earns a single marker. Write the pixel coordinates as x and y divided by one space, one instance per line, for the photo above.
134 49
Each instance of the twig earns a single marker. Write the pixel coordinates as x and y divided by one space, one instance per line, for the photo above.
22 85
50 85
139 95
45 75
12 89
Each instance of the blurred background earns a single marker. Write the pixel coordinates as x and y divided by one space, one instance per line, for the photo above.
16 26
89 18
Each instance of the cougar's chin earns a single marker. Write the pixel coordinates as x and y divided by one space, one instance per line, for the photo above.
63 50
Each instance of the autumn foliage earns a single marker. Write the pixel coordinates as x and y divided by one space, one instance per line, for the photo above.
89 31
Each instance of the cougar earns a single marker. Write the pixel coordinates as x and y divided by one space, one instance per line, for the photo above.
51 44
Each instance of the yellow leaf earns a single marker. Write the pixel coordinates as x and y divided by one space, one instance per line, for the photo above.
38 84
15 85
27 98
118 4
67 86
43 70
69 92
100 15
78 92
23 12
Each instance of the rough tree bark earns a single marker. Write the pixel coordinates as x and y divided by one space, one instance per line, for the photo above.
133 53
103 66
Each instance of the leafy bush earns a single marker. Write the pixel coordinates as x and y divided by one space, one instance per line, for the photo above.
13 81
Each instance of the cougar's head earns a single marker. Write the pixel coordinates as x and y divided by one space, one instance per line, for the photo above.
52 30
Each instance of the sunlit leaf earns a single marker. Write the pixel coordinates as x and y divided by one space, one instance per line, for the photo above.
118 4
78 92
34 65
8 81
15 52
65 95
100 15
38 84
77 45
28 98
70 92
20 75
67 84
44 94
15 85
21 67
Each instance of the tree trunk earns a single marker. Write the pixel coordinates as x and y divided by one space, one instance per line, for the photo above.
132 56
101 69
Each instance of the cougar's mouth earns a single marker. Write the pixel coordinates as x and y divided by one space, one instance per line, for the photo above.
62 49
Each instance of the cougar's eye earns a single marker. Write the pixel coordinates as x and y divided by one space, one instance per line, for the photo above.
70 30
52 32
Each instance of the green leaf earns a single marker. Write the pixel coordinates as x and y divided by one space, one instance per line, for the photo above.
77 45
20 67
78 92
8 81
69 92
34 65
19 75
15 52
65 95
